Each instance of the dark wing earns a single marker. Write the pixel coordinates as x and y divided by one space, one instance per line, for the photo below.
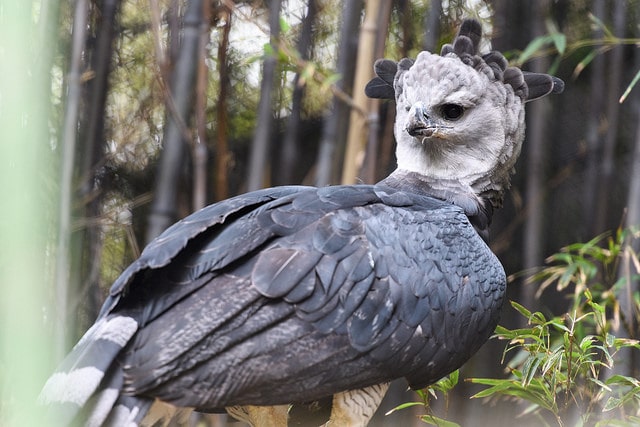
201 224
377 286
89 377
288 295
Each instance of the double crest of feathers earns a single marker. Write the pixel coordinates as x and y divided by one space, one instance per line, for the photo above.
528 86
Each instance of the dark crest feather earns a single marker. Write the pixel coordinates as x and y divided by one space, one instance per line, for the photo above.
382 86
540 85
471 29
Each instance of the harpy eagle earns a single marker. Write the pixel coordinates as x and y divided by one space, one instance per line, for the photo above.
293 294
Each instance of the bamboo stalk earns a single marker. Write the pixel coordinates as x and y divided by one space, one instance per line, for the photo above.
358 127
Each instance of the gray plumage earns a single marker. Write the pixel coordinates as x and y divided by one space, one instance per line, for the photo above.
293 294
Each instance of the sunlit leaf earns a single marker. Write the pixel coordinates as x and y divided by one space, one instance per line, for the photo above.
404 406
600 384
623 380
619 343
587 342
612 403
284 26
627 91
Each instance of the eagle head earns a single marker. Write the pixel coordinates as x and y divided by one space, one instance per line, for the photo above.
460 115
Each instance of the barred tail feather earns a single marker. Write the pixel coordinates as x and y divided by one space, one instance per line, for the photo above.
81 376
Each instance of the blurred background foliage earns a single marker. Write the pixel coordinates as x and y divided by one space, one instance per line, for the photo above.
151 109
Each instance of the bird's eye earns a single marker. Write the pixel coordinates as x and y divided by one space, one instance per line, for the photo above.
452 111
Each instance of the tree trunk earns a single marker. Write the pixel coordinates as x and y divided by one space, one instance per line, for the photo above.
627 359
179 108
536 149
627 362
88 246
371 166
593 135
432 26
173 21
607 161
358 126
628 304
69 140
260 145
28 319
290 154
336 124
222 125
199 150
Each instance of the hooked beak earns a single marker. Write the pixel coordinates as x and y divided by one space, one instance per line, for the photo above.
419 123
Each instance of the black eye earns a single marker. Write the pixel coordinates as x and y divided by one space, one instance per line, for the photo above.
452 111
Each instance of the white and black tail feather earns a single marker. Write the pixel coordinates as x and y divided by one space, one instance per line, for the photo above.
88 382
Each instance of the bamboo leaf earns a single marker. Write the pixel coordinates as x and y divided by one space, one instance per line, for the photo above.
284 26
437 421
560 42
599 24
533 47
489 392
623 380
612 403
628 89
521 309
403 406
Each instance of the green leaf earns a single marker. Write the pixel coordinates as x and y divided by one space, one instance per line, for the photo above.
284 26
330 80
533 47
521 309
536 392
598 23
453 378
559 41
404 406
530 369
497 386
627 91
623 380
437 421
619 343
267 50
600 384
501 330
553 68
587 342
612 403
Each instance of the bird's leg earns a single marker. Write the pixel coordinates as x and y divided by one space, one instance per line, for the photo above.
261 416
163 414
355 408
